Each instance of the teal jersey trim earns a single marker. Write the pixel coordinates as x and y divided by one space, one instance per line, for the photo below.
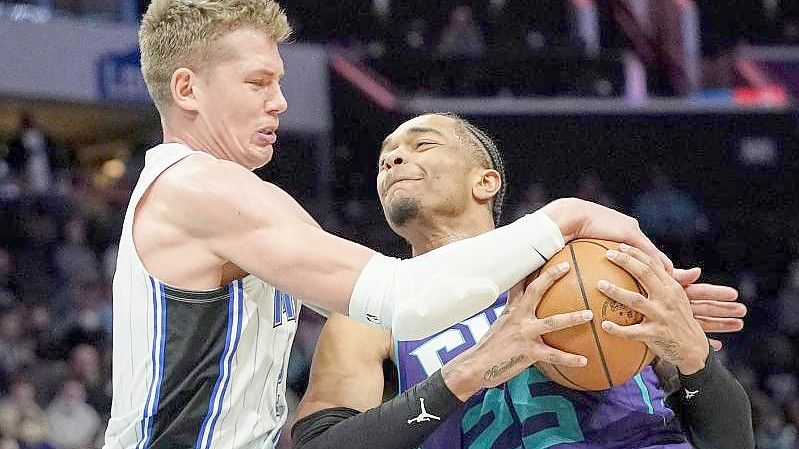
644 393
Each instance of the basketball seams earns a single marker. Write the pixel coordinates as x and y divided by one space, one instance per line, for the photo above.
640 290
594 242
643 359
588 307
555 367
579 294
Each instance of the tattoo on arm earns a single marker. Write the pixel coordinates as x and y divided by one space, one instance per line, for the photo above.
671 350
497 370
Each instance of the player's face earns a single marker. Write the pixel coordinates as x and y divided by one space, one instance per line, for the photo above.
241 97
424 170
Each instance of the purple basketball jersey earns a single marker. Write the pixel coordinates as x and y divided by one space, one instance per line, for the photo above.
531 412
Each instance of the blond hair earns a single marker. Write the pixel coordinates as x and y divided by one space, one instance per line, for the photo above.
182 33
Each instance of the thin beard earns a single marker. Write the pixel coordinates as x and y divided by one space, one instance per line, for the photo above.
403 211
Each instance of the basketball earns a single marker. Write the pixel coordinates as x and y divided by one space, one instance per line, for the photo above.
612 360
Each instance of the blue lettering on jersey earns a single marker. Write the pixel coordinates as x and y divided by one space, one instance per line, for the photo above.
286 306
444 346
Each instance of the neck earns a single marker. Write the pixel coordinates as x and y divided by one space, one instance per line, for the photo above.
184 130
430 235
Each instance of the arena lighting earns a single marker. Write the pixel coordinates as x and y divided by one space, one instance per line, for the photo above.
108 173
113 168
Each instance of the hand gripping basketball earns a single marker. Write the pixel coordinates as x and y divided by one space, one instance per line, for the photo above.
669 327
514 341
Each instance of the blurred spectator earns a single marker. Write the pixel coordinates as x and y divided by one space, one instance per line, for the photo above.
109 262
7 295
533 197
16 350
75 262
8 443
670 215
787 307
504 31
22 418
460 44
415 39
34 157
775 433
9 188
381 9
89 321
33 260
591 188
462 37
85 366
73 423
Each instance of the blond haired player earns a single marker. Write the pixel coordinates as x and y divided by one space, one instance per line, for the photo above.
212 260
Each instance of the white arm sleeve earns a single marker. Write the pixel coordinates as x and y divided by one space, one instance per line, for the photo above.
418 297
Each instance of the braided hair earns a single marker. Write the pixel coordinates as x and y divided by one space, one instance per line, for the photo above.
487 148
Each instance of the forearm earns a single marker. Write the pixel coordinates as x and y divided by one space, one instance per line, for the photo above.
464 277
346 428
713 408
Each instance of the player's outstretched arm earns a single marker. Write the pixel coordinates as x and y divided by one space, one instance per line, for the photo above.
512 344
672 332
261 229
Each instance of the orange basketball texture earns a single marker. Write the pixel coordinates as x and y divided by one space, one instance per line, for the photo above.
611 360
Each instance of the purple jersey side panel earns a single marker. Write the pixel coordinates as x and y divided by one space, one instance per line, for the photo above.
531 412
418 359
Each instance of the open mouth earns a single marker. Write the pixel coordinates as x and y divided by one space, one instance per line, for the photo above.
266 136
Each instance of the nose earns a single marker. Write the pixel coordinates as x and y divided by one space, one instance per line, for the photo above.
277 104
391 160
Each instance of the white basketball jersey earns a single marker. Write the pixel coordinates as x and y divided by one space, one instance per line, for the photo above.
195 369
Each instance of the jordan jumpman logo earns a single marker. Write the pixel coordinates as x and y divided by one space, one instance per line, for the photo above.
424 416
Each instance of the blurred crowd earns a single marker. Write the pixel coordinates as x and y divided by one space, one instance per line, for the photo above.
495 47
547 47
517 21
57 255
512 22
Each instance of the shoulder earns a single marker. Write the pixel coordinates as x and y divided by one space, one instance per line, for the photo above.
220 192
197 177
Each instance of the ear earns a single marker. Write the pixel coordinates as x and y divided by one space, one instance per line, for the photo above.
488 185
183 86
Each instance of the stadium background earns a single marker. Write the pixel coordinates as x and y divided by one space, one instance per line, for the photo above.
679 112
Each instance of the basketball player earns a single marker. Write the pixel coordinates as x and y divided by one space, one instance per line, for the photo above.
212 260
460 197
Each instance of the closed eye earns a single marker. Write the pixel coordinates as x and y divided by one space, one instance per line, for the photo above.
423 143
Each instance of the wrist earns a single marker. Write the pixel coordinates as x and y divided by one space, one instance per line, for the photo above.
565 214
461 378
694 363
